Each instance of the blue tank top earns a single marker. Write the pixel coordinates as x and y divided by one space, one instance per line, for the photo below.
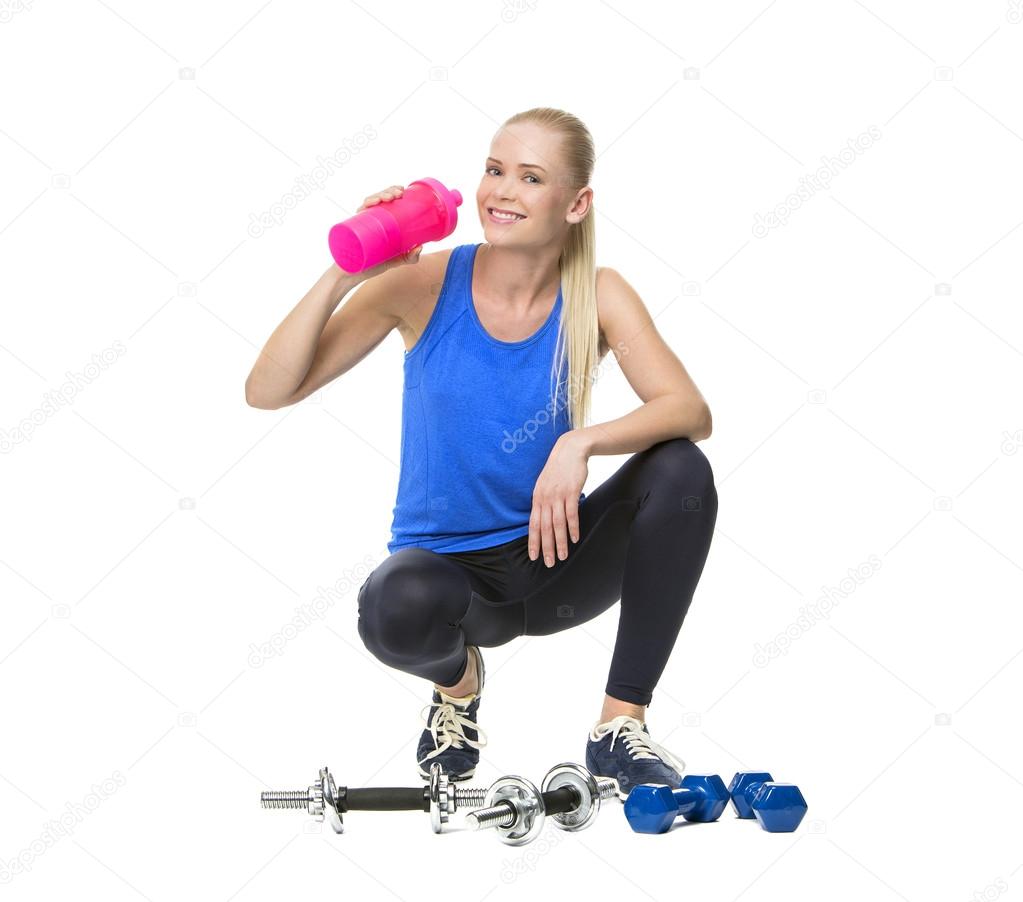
477 424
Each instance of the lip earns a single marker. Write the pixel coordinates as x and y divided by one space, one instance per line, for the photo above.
504 221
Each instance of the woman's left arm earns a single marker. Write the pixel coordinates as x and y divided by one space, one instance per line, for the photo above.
673 407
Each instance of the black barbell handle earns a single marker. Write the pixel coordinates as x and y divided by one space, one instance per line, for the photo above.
387 798
383 798
561 800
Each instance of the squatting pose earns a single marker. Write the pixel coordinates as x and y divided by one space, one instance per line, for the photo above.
492 536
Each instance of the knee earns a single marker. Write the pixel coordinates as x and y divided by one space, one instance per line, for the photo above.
681 463
400 608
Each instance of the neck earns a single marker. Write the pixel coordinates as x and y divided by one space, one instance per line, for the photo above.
519 278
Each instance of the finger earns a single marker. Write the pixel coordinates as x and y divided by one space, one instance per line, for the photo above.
534 532
572 516
560 531
547 535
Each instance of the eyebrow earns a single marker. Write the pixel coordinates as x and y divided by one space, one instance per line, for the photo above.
521 165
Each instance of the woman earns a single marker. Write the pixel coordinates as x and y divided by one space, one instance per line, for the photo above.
492 535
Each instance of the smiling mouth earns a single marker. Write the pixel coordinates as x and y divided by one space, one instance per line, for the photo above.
502 217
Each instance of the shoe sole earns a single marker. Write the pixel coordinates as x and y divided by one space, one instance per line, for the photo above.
454 778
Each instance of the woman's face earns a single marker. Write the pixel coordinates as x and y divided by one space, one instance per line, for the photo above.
523 175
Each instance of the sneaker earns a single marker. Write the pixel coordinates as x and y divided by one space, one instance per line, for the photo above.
452 736
632 760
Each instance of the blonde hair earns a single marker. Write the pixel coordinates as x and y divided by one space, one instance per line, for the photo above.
578 328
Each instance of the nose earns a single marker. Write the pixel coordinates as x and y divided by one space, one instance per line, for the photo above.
503 190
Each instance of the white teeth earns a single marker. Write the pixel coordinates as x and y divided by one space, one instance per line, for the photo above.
505 215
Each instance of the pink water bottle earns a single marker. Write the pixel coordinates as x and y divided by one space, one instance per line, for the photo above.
426 211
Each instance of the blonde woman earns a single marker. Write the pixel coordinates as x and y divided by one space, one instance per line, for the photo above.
492 537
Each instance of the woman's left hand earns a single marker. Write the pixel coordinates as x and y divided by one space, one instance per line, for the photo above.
555 514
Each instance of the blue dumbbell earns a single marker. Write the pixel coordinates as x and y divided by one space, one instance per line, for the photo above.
779 807
653 807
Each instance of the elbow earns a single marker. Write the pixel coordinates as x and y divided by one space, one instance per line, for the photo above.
254 400
251 398
262 404
705 428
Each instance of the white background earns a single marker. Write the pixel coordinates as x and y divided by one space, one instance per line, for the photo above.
862 362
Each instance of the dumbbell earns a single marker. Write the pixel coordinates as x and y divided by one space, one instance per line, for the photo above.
653 807
325 799
779 807
517 810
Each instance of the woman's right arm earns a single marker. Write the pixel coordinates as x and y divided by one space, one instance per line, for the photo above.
311 346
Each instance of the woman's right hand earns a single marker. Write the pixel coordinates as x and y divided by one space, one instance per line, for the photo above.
411 256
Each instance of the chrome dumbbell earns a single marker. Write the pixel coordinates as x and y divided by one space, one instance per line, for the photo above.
324 800
517 810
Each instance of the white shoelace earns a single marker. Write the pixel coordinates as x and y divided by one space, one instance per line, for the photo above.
448 726
638 743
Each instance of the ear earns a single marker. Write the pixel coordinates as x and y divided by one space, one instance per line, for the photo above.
579 209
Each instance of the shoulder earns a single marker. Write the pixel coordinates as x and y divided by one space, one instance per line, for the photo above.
436 261
620 309
426 277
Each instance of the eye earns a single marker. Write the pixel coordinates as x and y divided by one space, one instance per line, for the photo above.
530 175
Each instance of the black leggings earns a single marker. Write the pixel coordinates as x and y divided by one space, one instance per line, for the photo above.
644 534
